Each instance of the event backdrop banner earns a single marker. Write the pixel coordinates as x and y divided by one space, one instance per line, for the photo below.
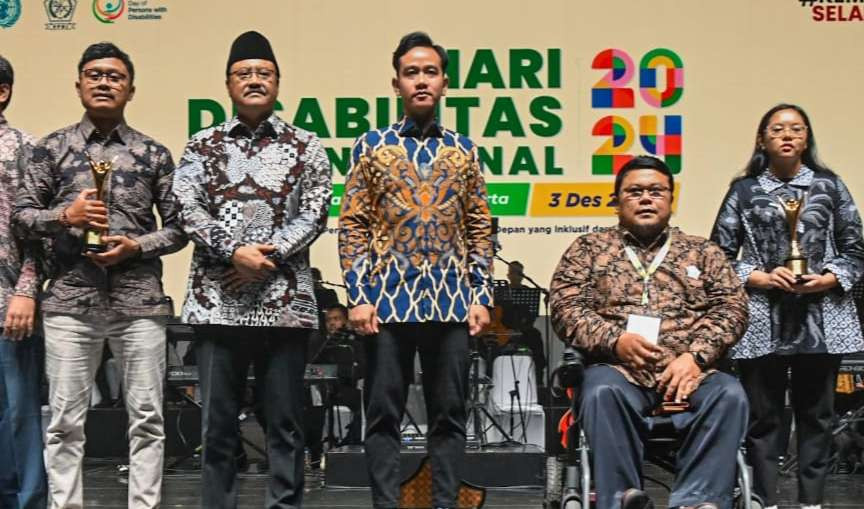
557 94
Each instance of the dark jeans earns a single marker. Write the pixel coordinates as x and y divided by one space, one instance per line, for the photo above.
616 417
813 380
443 351
22 469
224 355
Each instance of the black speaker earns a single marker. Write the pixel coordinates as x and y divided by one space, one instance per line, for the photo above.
107 432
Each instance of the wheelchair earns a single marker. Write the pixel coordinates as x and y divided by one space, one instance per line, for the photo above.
568 476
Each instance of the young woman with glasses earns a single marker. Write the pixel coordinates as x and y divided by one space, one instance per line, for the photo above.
802 316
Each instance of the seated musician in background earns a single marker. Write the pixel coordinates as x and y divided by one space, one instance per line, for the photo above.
338 345
615 291
350 356
515 274
520 319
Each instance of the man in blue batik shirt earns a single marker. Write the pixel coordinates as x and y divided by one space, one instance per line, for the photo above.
416 252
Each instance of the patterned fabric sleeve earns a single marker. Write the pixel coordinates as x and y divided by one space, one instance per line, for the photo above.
572 304
355 223
726 319
848 264
170 237
190 188
28 278
32 217
479 233
729 234
315 192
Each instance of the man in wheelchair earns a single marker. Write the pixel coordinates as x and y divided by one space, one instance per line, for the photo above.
654 310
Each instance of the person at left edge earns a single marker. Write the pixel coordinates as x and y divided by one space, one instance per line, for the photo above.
22 469
254 193
116 294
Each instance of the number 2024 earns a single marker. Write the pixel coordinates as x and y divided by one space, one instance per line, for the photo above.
612 91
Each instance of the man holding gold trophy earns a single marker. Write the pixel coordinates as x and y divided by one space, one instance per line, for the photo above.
89 192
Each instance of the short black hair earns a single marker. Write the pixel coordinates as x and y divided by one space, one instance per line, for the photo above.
340 307
7 77
415 40
643 162
106 50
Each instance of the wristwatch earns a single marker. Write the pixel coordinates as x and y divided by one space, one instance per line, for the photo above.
700 360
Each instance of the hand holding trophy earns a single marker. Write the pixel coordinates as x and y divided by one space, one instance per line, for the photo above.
93 242
796 261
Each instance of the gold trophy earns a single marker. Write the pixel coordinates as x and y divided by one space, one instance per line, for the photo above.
796 261
93 238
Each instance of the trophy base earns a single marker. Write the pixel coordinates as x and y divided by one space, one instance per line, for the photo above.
95 248
93 242
798 266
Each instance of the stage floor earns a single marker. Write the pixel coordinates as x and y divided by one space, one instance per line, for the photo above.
104 489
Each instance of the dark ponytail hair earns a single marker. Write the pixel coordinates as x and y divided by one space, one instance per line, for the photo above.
759 160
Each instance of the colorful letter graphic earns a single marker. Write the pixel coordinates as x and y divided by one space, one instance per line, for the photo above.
667 144
648 71
612 154
610 91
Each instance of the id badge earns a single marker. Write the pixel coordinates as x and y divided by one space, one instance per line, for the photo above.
646 326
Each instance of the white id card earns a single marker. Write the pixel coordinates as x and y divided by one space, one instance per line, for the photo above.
646 326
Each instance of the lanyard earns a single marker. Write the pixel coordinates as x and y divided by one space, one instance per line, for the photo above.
655 263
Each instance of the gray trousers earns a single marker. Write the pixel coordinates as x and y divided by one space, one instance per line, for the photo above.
616 418
73 350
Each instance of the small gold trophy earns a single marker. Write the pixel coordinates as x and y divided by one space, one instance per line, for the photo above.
93 238
796 261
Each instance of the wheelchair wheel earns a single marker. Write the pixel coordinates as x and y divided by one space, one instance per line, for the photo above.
572 503
554 490
755 502
554 483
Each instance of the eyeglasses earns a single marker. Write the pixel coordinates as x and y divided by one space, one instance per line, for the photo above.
635 193
795 130
94 76
246 74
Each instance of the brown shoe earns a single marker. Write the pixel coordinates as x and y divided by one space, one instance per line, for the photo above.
636 499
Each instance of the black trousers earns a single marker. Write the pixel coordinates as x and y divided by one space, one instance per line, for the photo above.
443 351
615 416
224 355
812 382
313 423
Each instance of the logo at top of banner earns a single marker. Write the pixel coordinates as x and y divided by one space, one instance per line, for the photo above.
60 14
107 11
10 11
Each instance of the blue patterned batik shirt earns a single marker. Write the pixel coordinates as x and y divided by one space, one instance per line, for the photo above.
415 230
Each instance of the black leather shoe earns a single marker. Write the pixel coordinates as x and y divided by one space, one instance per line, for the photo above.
636 499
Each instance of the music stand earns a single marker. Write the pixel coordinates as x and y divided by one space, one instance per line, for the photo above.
527 297
501 291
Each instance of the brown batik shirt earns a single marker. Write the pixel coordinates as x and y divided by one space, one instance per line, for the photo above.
695 292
